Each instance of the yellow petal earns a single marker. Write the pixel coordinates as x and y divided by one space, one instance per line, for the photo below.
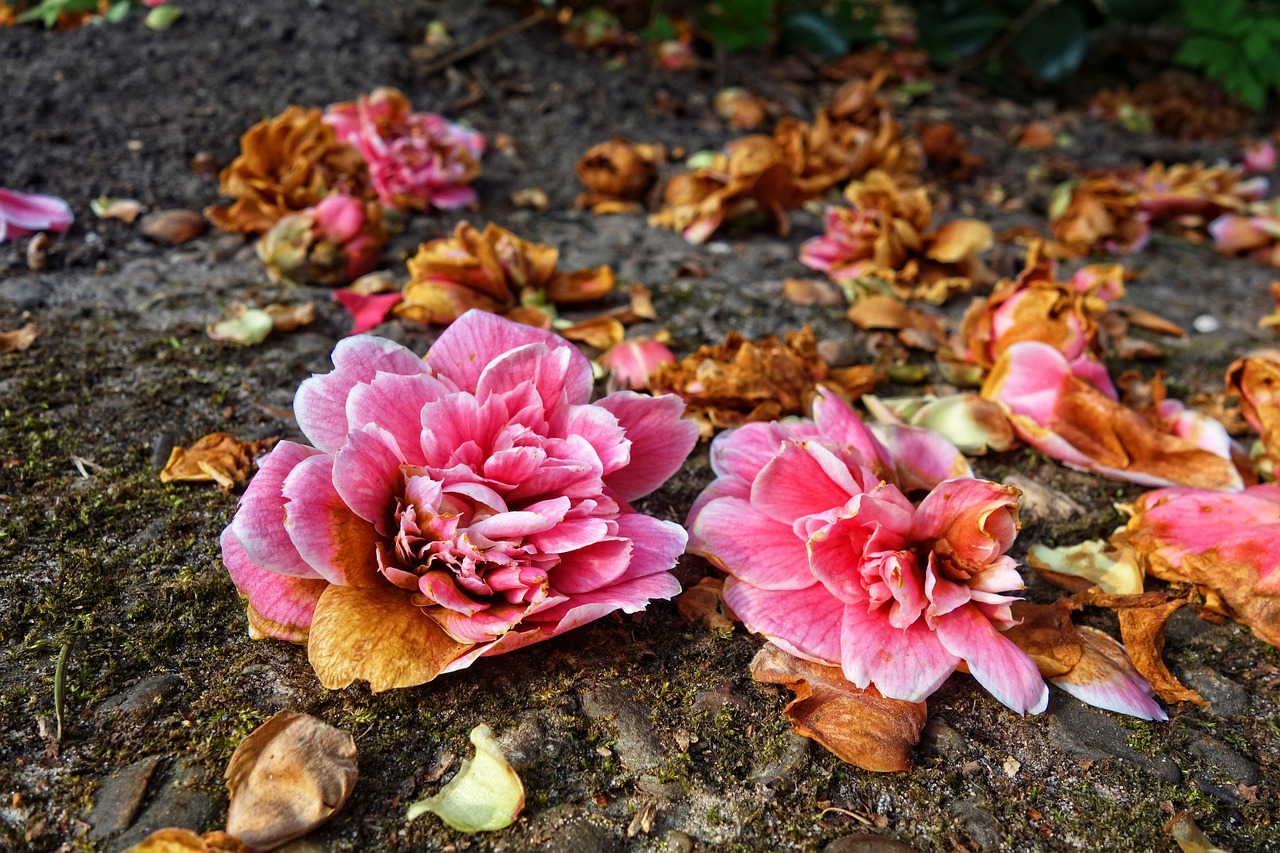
376 634
485 795
960 239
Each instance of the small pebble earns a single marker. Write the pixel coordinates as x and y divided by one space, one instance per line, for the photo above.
1206 323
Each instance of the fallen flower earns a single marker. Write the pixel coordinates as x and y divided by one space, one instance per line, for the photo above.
465 504
19 339
1259 156
1256 379
885 235
335 242
618 174
946 153
286 164
829 559
1070 419
1223 544
631 364
730 384
415 160
740 109
969 421
22 214
485 795
289 776
494 271
1102 210
215 458
1255 233
857 724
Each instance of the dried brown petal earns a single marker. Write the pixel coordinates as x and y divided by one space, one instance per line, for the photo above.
186 841
859 726
173 226
704 603
1142 629
19 339
289 776
217 457
1046 634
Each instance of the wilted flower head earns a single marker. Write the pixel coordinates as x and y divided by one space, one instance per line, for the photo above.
829 558
416 160
286 164
335 242
1101 211
494 271
883 236
617 174
464 504
26 213
740 108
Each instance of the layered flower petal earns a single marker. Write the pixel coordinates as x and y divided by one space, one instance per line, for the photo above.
279 606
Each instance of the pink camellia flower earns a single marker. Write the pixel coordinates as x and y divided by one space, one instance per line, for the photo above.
335 242
829 559
416 160
1259 156
464 504
22 214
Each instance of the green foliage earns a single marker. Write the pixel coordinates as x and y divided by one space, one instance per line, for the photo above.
738 25
1236 43
47 11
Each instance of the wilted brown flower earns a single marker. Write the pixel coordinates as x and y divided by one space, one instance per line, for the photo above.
1176 103
899 65
494 271
617 174
740 108
884 236
946 153
729 384
1101 210
286 164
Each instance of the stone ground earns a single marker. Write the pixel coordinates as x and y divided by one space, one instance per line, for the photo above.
639 732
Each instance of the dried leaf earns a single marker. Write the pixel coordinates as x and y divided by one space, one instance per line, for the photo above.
1256 378
286 318
704 603
186 841
599 332
1046 634
289 776
485 795
216 457
859 726
19 339
1143 631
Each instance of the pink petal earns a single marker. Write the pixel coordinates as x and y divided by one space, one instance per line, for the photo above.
972 522
903 664
477 338
569 535
656 544
337 543
1110 681
805 479
367 311
838 422
395 402
751 546
320 405
805 622
591 568
259 522
660 441
629 596
545 368
280 606
26 213
1005 670
339 217
838 551
366 475
723 487
600 428
515 525
921 457
743 451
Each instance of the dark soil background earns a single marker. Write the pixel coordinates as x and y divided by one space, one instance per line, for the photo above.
636 733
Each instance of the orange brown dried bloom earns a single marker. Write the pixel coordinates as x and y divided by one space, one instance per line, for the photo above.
1102 210
729 384
618 174
885 235
494 271
946 153
1176 103
286 164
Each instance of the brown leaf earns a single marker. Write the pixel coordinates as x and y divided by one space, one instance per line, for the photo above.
599 332
1047 635
807 291
859 726
286 318
704 603
217 457
173 226
1189 837
19 339
186 841
376 634
1142 629
290 775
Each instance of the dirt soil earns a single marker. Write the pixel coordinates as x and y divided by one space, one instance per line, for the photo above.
638 732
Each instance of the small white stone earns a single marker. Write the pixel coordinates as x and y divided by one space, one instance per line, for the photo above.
720 247
1206 323
1012 766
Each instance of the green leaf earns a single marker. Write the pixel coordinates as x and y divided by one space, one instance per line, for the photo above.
1053 45
951 35
815 33
1199 51
660 29
161 18
1256 46
1249 90
118 11
739 25
1137 11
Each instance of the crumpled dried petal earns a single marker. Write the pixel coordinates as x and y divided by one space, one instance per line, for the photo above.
618 174
1143 631
485 795
217 457
729 384
19 339
289 776
243 325
1102 210
1178 104
946 153
740 108
883 235
1256 378
1182 827
1090 563
969 421
860 726
1070 419
286 164
494 271
704 603
1224 544
186 841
